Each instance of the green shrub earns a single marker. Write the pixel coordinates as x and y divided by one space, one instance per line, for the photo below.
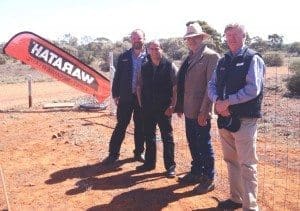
293 83
86 57
295 66
273 59
294 48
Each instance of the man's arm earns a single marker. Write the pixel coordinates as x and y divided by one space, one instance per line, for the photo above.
139 88
116 81
206 106
174 82
212 87
171 108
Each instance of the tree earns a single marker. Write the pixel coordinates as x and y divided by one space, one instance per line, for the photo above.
127 39
102 40
69 40
86 39
258 44
276 41
248 39
293 83
294 48
174 48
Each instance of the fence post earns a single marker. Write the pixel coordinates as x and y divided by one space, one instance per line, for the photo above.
29 79
4 188
112 105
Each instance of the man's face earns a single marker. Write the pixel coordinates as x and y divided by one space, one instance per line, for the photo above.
137 40
235 38
155 51
193 42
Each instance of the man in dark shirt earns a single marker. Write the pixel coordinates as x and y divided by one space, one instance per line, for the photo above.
157 94
124 95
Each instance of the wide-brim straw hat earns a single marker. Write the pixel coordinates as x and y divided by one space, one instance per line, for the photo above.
193 30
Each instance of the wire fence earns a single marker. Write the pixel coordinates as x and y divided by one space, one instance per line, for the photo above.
278 147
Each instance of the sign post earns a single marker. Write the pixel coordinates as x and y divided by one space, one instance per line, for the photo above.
29 78
112 70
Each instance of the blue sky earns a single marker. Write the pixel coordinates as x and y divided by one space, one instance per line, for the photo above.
115 19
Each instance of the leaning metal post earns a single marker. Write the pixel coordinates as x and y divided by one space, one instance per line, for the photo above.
4 188
112 70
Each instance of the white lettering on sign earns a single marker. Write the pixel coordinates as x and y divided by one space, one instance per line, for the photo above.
46 55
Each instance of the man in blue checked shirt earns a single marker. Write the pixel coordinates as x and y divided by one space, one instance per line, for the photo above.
124 94
236 88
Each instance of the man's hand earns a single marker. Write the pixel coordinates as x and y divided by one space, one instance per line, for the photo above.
221 105
116 99
169 111
225 113
202 120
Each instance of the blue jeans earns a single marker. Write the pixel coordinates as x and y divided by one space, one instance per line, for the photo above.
200 147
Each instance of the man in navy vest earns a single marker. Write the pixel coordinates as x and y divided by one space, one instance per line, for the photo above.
124 94
157 96
236 88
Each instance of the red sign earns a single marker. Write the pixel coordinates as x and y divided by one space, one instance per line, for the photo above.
48 58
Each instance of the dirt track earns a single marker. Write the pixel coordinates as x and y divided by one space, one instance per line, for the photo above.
51 159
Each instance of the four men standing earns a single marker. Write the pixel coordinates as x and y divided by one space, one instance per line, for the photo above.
149 88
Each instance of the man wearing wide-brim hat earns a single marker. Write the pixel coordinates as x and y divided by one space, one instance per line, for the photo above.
193 102
194 30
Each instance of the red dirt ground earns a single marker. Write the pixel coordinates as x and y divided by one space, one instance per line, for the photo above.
51 158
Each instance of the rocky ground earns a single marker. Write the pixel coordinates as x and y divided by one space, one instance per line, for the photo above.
50 158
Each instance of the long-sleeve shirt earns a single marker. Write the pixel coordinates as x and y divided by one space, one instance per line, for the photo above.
136 68
254 82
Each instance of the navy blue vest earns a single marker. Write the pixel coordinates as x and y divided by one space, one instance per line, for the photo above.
157 88
231 73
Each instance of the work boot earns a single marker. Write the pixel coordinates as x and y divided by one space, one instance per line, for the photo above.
144 168
229 205
139 157
109 160
190 178
205 186
171 172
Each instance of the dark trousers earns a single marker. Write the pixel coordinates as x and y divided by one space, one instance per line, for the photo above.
151 119
124 113
200 147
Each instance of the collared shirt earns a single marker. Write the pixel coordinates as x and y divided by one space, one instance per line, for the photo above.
195 55
254 81
136 68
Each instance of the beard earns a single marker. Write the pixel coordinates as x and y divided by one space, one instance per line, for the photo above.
137 45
